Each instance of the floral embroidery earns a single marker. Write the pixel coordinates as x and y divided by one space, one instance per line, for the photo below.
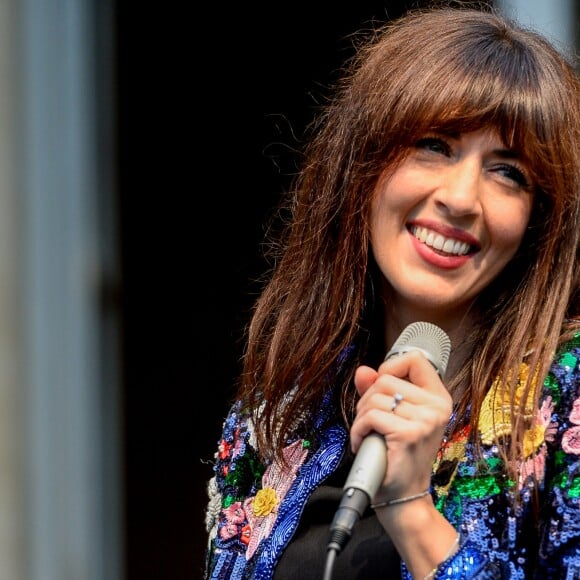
224 449
234 516
542 429
245 535
455 447
571 440
575 413
264 502
495 416
478 495
534 466
571 437
534 438
494 421
262 509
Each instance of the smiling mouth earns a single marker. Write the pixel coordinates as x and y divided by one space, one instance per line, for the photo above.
441 244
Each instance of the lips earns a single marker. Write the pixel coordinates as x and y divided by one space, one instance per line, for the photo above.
450 246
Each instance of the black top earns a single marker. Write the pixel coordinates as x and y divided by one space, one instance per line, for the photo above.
368 554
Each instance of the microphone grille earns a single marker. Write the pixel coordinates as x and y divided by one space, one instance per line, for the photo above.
428 338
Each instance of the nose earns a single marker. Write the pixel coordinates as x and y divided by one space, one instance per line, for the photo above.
459 193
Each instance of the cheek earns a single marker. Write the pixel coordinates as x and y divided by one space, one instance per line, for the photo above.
393 198
395 190
507 225
385 223
380 211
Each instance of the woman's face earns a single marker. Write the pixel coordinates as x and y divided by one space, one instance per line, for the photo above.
448 220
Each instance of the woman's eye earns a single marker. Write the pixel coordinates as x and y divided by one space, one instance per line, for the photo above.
434 144
514 174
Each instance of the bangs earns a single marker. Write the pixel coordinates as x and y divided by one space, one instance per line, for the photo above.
461 82
464 97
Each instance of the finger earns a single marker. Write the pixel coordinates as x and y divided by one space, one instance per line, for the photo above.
390 394
381 419
372 420
397 400
384 396
364 377
394 402
406 424
380 393
414 367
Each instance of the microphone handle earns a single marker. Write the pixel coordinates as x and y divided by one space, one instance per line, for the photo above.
365 477
369 465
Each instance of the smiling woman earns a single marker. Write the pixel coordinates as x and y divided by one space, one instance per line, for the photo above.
441 186
446 222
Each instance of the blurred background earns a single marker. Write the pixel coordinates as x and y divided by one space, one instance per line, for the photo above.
142 149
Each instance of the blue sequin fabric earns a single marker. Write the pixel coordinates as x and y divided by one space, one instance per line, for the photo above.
254 509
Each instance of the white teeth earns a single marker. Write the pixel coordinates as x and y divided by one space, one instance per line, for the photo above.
438 242
448 246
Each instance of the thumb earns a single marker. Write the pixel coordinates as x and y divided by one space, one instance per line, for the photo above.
364 377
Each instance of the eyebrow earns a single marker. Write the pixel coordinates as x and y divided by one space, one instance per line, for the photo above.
507 153
503 153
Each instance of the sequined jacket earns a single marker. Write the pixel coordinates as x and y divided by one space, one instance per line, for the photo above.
254 509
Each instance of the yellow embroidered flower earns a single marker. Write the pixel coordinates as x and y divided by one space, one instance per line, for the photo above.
264 502
262 510
533 438
495 417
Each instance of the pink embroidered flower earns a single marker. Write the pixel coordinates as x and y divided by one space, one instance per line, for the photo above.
262 510
546 409
235 513
571 440
535 465
228 531
234 516
571 437
541 430
575 413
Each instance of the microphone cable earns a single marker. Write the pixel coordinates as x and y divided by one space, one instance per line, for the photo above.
332 551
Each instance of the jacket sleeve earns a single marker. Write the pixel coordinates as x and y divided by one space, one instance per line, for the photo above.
512 539
237 475
467 562
559 549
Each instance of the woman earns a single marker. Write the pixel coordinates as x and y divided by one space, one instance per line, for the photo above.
441 185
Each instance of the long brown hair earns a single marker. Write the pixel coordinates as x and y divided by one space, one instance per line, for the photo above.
443 69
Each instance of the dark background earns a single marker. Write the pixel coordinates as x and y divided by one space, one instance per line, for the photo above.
211 102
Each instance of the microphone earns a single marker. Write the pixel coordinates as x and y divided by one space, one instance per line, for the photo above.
370 464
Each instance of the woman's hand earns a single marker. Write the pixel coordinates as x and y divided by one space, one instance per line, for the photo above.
413 429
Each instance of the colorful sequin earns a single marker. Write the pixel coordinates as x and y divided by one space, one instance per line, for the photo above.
254 509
